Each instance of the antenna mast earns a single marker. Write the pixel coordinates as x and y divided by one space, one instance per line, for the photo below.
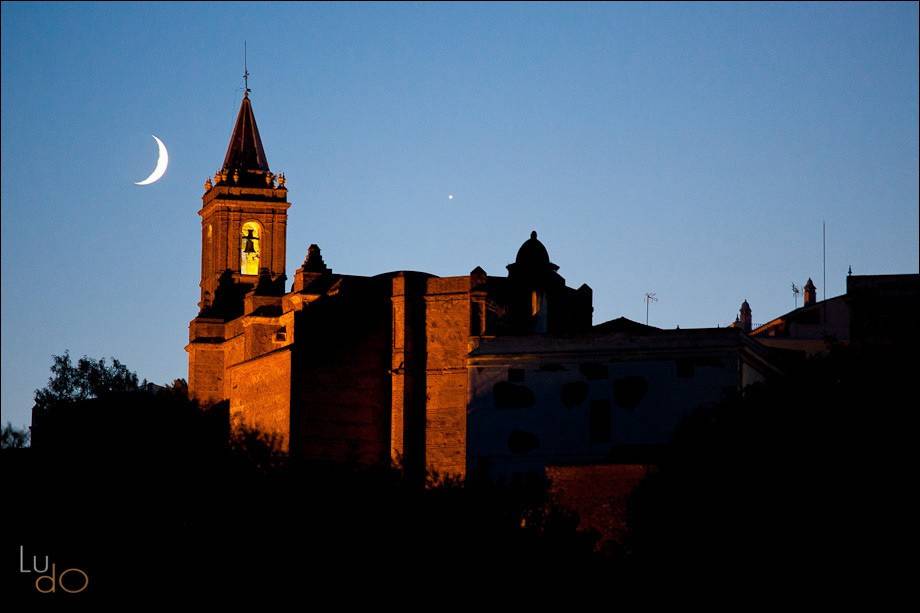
824 254
649 297
795 296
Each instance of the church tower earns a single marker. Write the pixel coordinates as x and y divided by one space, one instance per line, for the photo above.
243 234
243 222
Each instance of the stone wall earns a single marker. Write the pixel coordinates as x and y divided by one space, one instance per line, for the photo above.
260 393
206 372
342 384
408 369
447 332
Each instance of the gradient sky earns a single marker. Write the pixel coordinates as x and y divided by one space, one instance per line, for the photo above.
691 150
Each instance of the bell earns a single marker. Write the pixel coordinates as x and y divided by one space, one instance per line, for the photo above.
249 248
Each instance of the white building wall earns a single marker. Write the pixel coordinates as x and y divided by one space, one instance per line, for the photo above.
561 433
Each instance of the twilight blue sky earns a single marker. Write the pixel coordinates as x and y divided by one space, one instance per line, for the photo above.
691 150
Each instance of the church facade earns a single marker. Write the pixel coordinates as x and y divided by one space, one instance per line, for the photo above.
452 374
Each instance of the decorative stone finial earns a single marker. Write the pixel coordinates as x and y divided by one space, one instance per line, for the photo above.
207 184
236 176
281 180
533 235
314 260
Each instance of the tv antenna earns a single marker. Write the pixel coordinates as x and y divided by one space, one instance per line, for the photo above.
795 296
824 255
649 298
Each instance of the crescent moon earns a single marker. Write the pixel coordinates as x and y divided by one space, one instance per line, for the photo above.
162 163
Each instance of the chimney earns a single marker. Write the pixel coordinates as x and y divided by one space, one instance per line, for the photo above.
746 316
811 292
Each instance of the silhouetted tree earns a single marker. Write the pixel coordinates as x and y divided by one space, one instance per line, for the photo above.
124 477
802 473
87 379
13 438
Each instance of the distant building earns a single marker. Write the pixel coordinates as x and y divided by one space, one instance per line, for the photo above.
877 310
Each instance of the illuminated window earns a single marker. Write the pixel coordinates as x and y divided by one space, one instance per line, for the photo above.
250 248
538 311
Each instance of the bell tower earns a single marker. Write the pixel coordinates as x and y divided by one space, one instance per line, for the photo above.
243 235
243 222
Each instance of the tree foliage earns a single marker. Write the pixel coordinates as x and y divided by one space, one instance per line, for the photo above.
87 379
13 438
804 472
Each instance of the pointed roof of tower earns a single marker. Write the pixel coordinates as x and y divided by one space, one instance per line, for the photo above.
245 150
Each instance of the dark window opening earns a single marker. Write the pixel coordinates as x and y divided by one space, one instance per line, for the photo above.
599 421
685 367
574 393
628 392
512 396
593 370
521 442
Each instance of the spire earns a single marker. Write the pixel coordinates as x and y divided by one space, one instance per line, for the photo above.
745 316
245 149
811 292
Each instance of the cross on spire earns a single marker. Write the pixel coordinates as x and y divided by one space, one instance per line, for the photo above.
245 72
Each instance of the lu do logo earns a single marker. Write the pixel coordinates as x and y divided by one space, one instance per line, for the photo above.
69 580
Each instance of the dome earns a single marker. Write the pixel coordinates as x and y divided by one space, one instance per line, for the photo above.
532 253
532 263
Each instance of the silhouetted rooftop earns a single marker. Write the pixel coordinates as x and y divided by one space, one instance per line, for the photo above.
624 325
